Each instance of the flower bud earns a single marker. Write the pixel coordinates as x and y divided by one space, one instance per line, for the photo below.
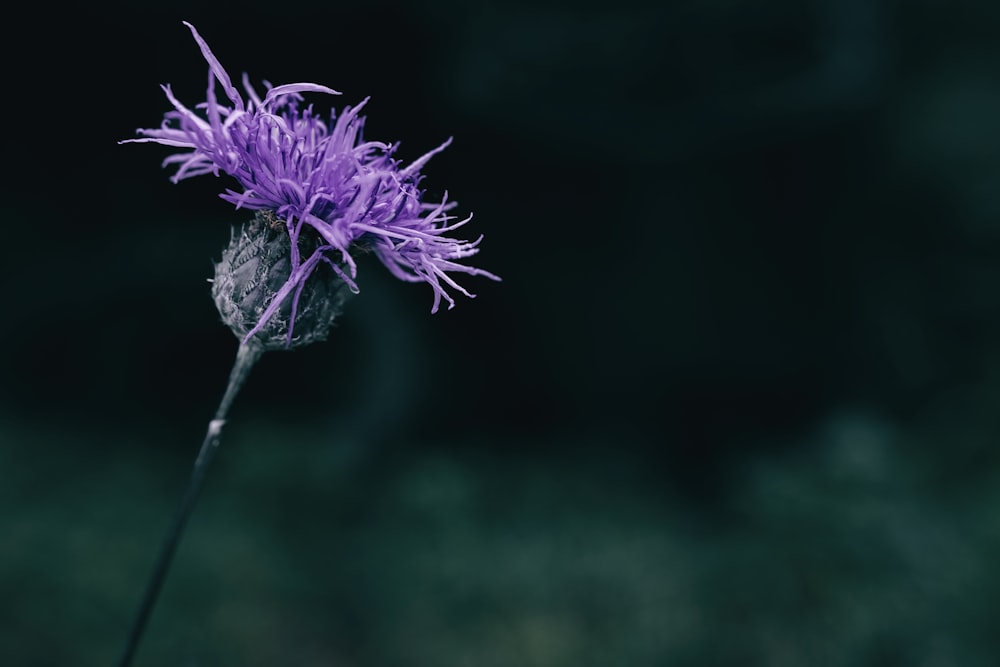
254 267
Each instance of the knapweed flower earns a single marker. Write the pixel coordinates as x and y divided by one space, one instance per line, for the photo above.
320 183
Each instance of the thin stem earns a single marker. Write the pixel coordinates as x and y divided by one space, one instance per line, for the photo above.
246 357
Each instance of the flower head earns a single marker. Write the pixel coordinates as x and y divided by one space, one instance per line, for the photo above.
318 177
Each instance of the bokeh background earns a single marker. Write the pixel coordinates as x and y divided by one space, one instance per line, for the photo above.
734 403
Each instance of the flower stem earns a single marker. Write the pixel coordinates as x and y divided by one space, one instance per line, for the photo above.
246 357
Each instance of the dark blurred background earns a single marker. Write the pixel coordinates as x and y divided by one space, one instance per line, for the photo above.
734 402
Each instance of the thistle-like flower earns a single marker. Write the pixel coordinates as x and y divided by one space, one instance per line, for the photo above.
319 193
330 191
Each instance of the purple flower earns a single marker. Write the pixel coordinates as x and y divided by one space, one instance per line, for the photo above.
317 175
